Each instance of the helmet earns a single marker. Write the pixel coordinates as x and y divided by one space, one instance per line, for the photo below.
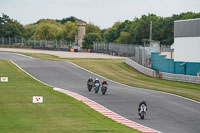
90 78
97 79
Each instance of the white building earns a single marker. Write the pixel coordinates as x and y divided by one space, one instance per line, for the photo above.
187 40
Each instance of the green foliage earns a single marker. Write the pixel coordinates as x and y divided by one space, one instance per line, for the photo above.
93 34
69 19
121 32
124 38
139 28
110 34
69 31
91 28
30 30
89 39
10 27
47 31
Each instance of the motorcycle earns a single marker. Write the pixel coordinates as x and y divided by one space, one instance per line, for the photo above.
104 89
142 112
96 87
90 84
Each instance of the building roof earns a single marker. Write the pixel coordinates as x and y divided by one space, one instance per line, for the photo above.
187 28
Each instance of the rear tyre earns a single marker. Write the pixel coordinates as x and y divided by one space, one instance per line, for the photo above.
142 115
89 88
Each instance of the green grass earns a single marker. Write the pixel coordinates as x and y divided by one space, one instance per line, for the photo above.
58 114
117 70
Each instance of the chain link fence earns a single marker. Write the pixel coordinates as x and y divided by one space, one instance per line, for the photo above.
138 53
36 44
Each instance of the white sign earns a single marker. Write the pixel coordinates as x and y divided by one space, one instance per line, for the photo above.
4 79
37 99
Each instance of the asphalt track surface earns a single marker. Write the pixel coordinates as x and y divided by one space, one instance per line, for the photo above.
166 113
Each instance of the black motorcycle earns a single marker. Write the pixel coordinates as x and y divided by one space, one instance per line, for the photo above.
142 111
90 85
104 89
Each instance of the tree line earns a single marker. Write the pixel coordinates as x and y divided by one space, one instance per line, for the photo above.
127 32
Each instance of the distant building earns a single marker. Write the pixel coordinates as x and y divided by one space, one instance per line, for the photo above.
187 40
186 50
81 33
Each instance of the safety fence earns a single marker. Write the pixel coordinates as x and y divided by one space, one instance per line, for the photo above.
138 53
140 68
180 77
163 75
37 44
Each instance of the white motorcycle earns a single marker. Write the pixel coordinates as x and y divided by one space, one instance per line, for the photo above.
142 112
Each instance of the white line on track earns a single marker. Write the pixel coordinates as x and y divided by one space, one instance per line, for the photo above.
131 86
99 108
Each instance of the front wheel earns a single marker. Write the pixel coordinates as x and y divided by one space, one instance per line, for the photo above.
96 91
89 88
142 115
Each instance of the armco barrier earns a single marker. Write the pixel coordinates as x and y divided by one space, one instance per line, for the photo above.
180 77
141 68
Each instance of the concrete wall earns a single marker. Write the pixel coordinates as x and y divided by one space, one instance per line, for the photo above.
180 77
192 68
140 68
187 49
164 75
162 64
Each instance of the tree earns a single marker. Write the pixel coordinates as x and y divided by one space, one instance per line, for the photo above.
69 31
69 19
10 27
110 35
124 38
89 39
91 28
47 31
30 30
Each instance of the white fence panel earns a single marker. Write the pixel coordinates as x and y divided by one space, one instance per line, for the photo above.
180 77
141 68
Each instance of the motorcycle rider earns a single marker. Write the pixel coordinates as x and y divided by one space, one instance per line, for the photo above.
97 81
89 80
143 102
104 83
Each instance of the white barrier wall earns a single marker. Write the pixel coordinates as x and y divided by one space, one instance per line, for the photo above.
163 75
180 77
141 68
187 49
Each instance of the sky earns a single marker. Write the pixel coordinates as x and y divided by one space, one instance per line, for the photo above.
103 13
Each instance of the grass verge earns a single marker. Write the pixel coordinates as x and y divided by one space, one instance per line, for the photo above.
58 114
117 70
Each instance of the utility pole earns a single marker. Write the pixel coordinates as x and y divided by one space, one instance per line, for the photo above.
150 35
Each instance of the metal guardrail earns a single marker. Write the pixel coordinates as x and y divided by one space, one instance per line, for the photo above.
163 75
37 44
180 77
140 68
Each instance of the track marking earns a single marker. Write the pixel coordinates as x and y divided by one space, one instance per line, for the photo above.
131 86
106 112
103 110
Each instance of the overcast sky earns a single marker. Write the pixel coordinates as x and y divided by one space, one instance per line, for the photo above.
103 13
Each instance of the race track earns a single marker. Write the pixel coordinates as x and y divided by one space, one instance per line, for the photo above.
166 113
